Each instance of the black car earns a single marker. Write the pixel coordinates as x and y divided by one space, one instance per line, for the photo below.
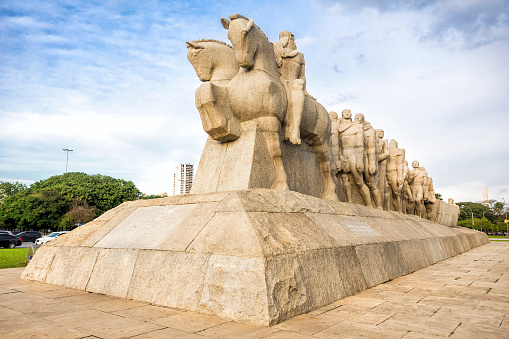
30 236
10 241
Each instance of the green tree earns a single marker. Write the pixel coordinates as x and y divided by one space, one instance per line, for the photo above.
438 196
46 203
480 211
8 189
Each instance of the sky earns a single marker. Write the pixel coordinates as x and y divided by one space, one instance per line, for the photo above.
110 80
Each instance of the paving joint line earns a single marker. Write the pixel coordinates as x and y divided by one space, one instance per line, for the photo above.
455 329
208 328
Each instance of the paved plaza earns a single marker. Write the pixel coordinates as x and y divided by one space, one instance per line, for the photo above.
463 297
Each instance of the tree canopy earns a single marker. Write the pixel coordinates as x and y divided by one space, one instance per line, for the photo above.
8 189
60 201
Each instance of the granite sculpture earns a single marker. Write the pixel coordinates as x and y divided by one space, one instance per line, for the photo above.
257 97
263 237
417 178
383 154
351 154
395 174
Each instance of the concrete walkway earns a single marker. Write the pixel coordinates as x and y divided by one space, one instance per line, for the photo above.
463 297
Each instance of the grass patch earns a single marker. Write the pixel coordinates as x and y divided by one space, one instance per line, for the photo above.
14 257
496 237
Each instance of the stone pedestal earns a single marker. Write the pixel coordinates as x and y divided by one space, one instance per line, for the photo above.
245 164
261 256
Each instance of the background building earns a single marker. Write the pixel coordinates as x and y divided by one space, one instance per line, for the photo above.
183 179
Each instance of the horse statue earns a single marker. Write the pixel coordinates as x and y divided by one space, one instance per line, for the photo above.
215 64
256 93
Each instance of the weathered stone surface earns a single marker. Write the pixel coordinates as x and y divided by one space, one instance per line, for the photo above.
72 266
257 255
112 272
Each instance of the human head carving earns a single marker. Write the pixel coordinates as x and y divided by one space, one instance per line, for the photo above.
287 39
380 133
415 164
346 114
333 115
359 117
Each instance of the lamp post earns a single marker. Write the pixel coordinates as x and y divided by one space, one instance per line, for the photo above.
506 224
67 160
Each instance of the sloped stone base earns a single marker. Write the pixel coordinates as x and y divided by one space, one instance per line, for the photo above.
261 256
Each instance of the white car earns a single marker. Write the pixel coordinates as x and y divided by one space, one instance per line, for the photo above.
49 237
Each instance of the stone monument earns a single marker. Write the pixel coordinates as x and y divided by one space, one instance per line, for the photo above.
262 237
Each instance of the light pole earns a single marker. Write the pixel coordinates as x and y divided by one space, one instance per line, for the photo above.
67 160
506 224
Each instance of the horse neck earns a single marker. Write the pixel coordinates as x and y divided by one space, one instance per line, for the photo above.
224 68
265 59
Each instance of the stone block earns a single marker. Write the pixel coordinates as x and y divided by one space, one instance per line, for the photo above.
112 272
72 266
173 279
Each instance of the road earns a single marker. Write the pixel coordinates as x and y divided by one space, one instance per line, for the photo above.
26 244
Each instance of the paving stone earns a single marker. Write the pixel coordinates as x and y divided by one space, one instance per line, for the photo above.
309 324
235 330
102 324
147 312
190 321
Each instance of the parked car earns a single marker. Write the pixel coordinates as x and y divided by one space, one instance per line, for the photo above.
6 232
8 240
49 237
30 236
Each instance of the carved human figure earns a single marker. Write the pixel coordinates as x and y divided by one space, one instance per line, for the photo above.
383 154
395 174
292 68
370 160
408 200
430 200
334 144
351 141
417 178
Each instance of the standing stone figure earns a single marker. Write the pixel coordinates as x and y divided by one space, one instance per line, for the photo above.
417 178
351 141
292 68
334 144
371 161
383 154
395 174
408 200
430 200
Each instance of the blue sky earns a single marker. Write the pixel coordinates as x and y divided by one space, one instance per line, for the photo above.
110 80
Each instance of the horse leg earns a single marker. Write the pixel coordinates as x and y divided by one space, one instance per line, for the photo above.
215 112
274 145
323 157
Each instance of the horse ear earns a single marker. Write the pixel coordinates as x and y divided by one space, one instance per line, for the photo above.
250 24
225 22
195 46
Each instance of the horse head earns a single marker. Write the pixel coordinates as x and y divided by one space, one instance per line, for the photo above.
201 60
239 29
212 60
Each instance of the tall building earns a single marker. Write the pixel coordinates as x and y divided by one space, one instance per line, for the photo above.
485 201
183 179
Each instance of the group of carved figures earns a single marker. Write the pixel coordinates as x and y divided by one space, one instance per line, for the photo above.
378 169
256 80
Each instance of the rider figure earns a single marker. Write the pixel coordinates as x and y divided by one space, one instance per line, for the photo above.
291 66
